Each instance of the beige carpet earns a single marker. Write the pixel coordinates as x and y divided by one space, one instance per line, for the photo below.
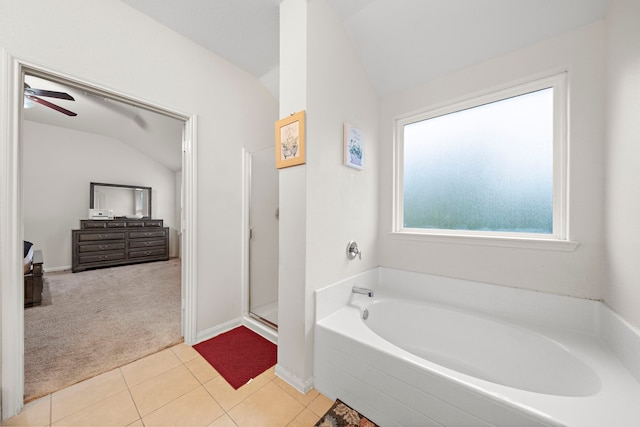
97 320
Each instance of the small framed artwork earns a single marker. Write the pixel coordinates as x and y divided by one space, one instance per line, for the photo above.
290 149
353 147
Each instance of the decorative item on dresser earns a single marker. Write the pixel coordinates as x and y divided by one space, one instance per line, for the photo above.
109 243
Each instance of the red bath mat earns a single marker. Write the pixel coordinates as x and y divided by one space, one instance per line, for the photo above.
238 355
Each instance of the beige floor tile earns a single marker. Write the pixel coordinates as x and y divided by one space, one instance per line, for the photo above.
118 410
162 389
137 423
196 408
86 393
149 367
227 396
223 421
306 418
305 399
320 405
185 352
34 413
269 374
202 369
269 406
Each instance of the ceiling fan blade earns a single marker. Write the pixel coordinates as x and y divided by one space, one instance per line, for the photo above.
28 90
50 105
50 94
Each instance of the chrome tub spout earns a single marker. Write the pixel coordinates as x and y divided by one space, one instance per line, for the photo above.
363 291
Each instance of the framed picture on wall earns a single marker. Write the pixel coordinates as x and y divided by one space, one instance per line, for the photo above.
353 147
290 139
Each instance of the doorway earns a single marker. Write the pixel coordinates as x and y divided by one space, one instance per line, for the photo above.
263 237
12 220
62 333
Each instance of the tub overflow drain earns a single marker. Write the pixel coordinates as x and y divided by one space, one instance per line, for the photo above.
365 314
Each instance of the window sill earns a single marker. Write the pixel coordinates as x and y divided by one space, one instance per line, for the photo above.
496 241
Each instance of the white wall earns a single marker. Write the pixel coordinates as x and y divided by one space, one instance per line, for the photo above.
60 163
622 284
578 273
323 204
111 45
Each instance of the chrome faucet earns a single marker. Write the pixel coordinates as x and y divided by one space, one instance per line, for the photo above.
363 291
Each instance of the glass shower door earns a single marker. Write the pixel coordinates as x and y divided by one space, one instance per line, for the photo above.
263 243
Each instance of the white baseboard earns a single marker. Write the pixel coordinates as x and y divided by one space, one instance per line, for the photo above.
59 268
217 330
303 386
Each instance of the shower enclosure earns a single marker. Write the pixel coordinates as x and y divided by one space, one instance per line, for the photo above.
263 237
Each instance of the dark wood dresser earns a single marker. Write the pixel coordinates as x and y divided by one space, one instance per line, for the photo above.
109 243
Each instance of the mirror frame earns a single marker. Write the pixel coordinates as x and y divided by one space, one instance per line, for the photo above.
92 188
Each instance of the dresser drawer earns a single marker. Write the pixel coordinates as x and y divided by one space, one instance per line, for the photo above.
116 224
94 224
147 234
86 237
95 247
143 253
153 223
146 243
102 257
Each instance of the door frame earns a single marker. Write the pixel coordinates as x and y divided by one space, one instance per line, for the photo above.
12 220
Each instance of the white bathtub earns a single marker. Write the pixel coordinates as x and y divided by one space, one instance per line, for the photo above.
416 363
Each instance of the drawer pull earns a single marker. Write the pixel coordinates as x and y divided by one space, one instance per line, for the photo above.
103 246
147 253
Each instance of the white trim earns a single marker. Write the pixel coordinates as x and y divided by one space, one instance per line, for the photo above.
261 329
60 268
496 241
12 227
12 232
559 240
303 386
217 330
246 231
189 254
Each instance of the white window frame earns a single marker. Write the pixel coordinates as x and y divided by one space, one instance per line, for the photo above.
559 239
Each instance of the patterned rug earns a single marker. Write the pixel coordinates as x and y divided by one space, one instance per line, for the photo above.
342 415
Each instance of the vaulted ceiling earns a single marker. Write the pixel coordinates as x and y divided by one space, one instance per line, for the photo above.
401 43
156 135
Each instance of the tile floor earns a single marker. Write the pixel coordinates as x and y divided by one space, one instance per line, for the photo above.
175 387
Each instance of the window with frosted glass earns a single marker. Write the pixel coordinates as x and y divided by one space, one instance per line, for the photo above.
484 168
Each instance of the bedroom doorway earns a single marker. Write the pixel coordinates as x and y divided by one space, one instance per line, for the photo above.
64 341
14 219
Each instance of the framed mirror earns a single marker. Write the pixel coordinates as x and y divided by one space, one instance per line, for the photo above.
129 201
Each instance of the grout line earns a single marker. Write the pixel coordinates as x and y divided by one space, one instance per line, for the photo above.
50 409
131 395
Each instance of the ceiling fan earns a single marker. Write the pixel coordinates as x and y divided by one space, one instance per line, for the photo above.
31 94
